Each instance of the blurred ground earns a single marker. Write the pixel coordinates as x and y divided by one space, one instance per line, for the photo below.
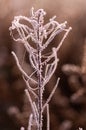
67 111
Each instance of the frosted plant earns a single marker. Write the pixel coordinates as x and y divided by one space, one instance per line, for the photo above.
44 65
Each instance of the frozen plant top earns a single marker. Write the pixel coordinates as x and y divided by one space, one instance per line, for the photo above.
41 35
37 30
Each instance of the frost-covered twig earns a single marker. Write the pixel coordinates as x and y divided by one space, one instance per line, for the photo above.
30 122
52 93
48 118
40 35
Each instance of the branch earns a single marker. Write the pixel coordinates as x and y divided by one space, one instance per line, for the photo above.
32 106
30 88
65 35
20 68
50 71
30 122
52 93
48 118
57 30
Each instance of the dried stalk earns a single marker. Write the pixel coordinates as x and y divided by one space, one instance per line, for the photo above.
38 32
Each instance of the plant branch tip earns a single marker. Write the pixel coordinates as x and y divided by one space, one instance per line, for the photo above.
70 28
65 22
13 53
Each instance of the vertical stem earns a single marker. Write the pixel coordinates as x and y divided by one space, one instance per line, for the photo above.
48 118
39 74
39 89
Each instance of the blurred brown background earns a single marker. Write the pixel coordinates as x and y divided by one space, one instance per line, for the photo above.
68 106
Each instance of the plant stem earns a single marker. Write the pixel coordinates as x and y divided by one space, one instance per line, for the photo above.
39 74
39 89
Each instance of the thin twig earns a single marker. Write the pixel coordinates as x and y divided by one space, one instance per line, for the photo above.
20 68
48 118
53 91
